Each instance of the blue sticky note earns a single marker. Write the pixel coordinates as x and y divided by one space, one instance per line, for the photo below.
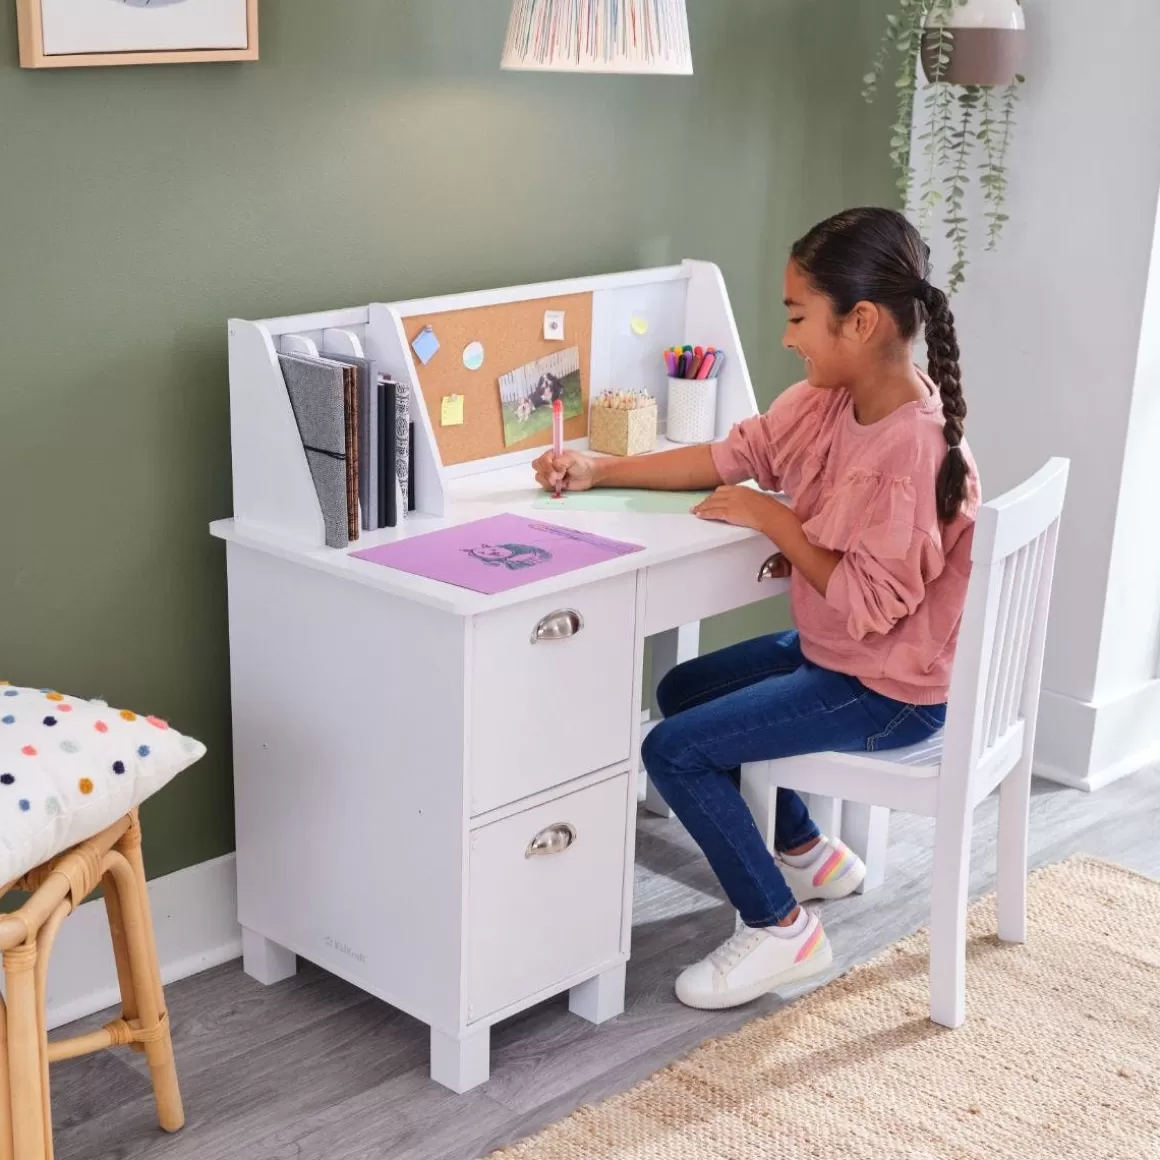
425 345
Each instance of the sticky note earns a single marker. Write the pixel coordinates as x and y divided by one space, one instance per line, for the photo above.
554 325
425 345
473 356
639 326
452 411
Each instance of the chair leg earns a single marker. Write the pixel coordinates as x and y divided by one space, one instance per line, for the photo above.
5 1091
25 1052
120 949
45 941
948 918
826 813
128 873
866 830
1011 885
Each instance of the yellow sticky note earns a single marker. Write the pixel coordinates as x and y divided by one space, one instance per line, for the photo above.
452 411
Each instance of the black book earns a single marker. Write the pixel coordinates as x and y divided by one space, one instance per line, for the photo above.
388 492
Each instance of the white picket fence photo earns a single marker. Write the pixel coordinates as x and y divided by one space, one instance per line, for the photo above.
520 383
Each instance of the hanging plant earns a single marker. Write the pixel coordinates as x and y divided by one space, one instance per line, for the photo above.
970 52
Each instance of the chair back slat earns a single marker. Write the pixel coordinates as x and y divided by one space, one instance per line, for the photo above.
999 659
1021 642
1007 673
1002 626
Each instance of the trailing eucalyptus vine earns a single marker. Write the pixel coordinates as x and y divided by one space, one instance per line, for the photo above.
964 126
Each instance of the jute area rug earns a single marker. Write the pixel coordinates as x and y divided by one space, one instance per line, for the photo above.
1059 1057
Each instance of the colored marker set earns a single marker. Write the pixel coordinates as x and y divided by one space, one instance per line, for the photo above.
694 362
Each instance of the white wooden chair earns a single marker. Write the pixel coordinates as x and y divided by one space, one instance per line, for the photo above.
987 742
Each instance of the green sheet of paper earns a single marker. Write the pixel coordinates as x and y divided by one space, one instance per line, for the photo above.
608 499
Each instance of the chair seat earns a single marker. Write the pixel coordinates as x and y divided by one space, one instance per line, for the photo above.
925 757
925 753
904 779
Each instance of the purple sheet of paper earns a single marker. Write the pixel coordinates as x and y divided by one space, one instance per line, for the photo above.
496 554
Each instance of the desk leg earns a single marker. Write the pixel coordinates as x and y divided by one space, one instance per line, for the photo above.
266 961
669 649
601 998
461 1063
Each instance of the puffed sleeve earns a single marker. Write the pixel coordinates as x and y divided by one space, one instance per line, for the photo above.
772 448
887 560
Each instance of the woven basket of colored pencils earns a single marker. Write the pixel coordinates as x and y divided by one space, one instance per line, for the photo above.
623 424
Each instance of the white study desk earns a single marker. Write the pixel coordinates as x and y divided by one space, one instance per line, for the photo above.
436 790
401 746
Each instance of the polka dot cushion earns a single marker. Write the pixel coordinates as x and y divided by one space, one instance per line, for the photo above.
69 768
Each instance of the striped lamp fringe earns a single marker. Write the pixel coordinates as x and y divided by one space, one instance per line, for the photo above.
620 36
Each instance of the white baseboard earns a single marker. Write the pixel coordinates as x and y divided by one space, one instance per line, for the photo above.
195 919
1089 744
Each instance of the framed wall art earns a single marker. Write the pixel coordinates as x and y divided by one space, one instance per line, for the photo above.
71 33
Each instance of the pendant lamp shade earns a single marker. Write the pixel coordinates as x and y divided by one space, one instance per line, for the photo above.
609 36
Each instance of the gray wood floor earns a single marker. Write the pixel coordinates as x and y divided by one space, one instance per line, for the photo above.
313 1069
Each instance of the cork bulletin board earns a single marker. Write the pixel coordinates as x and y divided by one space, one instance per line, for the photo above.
512 335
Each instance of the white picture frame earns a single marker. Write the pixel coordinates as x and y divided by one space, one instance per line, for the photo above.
72 33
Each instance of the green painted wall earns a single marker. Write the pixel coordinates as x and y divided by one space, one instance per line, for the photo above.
375 152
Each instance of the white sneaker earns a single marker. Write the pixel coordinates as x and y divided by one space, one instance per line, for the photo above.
834 871
752 963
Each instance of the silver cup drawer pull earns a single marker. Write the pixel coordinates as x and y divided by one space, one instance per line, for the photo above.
558 625
554 840
768 570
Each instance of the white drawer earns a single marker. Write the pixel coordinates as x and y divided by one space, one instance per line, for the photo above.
539 919
689 590
544 711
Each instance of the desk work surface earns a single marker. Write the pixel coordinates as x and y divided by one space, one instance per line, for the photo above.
664 538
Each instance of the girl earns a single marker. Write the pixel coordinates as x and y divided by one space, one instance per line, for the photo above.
876 540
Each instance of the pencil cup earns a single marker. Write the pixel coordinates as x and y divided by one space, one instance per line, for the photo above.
692 414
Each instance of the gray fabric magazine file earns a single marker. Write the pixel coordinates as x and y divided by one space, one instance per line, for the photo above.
368 439
316 397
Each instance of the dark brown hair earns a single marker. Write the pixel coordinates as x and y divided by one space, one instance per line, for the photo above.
876 255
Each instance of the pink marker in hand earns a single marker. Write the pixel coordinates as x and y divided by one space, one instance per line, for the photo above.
558 432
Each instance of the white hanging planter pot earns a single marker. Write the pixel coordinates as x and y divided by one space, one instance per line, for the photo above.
985 48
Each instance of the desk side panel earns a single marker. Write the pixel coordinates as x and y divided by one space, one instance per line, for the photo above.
349 779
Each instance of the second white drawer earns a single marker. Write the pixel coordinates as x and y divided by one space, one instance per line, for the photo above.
547 895
551 691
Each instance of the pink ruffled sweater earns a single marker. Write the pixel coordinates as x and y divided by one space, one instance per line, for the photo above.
891 612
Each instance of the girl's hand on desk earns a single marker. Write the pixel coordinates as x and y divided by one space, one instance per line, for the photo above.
744 507
571 471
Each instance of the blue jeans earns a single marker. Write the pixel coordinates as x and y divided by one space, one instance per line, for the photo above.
757 701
